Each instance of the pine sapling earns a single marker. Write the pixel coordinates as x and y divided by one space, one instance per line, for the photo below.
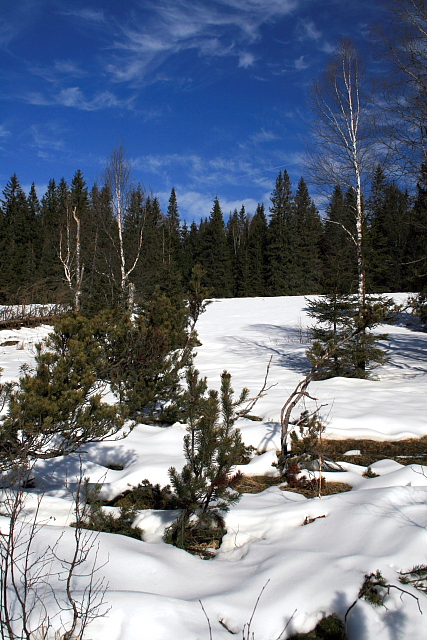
204 488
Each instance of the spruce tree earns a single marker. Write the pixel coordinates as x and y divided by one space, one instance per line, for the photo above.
50 269
18 244
237 235
214 253
347 335
172 262
281 239
308 232
137 228
190 238
172 240
417 270
256 279
101 285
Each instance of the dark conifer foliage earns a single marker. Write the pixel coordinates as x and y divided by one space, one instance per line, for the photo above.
308 232
256 281
214 254
295 252
338 248
281 239
417 256
50 268
172 259
190 239
102 283
237 235
171 232
340 330
389 235
18 249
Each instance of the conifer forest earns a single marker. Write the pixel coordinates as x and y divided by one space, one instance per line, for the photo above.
290 249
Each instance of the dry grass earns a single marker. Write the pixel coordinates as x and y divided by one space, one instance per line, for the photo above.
257 484
411 451
328 489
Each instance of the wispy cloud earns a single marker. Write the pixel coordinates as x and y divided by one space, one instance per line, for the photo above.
4 132
47 139
264 136
240 170
7 32
212 29
59 70
88 14
14 16
308 31
74 97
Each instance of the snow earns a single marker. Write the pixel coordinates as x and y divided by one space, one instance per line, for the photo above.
309 570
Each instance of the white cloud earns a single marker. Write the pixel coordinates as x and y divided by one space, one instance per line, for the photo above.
7 32
47 139
327 48
194 205
246 59
300 64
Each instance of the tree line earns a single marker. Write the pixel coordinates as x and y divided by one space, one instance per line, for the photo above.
288 250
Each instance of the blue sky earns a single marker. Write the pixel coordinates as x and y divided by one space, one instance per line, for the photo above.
208 96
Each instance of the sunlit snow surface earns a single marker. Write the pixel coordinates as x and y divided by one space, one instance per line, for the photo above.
313 570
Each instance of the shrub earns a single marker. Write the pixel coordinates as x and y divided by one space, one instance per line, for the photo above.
94 518
147 496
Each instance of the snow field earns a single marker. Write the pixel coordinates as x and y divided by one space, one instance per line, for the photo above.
309 570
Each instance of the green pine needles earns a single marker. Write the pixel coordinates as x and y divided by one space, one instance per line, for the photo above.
58 406
344 344
204 488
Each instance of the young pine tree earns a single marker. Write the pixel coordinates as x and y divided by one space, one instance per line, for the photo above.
204 488
58 407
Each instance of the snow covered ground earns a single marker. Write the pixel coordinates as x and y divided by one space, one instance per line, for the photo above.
310 571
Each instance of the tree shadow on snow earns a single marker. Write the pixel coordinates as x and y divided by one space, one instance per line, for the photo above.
283 344
272 431
356 621
409 347
71 469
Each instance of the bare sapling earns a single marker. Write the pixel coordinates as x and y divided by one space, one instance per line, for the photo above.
31 604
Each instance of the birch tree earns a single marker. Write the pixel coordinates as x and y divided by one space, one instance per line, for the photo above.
117 176
341 152
71 258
